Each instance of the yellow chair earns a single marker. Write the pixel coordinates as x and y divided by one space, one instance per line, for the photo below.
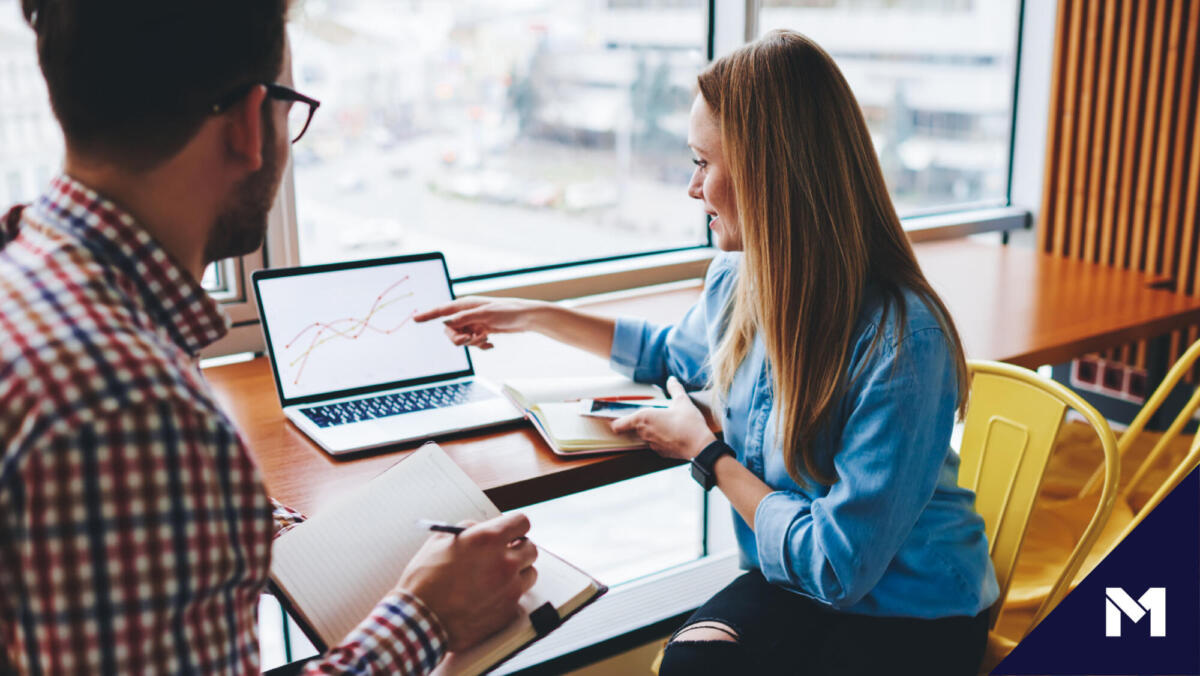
1189 464
1013 418
1012 421
1060 520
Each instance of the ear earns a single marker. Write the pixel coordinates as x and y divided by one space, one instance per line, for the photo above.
244 130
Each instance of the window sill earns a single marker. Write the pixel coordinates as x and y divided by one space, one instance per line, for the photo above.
597 278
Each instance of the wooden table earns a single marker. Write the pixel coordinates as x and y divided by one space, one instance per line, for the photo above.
511 464
1010 304
1029 308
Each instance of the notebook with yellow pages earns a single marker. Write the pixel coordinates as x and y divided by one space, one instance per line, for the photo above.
552 405
331 570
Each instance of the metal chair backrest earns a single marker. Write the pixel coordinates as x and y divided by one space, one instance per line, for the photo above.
1012 421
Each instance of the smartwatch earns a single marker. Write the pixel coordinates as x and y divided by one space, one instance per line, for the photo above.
702 464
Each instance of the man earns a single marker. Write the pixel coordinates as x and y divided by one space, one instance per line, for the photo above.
135 534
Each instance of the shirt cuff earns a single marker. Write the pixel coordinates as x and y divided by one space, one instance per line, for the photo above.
775 519
772 521
401 636
285 517
627 345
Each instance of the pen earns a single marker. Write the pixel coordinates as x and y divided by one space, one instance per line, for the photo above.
443 527
625 398
440 527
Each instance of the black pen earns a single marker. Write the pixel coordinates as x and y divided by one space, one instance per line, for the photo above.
440 526
443 527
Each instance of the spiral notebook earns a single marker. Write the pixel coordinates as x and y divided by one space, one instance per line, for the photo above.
331 570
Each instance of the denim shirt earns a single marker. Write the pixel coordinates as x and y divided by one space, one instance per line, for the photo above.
895 535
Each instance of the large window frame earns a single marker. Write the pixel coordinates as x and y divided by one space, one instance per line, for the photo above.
731 24
635 613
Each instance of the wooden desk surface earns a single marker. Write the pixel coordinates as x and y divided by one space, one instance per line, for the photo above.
1010 304
1029 308
511 464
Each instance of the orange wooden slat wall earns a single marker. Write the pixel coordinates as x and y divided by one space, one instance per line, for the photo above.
1122 183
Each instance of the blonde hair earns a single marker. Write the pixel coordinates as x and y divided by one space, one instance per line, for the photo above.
817 227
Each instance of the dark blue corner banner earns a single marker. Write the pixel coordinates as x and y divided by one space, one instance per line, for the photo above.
1138 612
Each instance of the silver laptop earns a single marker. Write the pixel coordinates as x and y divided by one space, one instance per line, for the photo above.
352 368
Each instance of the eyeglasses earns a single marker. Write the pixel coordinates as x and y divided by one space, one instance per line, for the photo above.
299 117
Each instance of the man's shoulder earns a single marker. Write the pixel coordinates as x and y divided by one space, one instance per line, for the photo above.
73 350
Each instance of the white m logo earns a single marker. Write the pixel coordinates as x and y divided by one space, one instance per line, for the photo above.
1153 603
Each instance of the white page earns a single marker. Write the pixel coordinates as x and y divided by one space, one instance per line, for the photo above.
538 390
336 566
570 428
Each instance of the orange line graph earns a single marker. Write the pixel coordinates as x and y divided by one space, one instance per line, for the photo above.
349 328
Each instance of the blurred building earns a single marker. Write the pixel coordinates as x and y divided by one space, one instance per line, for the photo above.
30 141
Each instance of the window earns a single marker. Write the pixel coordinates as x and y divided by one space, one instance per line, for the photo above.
30 141
507 134
935 79
31 152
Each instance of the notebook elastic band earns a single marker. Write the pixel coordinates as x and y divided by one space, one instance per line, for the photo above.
545 619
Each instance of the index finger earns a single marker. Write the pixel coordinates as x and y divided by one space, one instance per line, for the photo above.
508 526
450 308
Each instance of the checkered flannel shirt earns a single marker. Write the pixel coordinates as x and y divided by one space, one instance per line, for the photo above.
135 534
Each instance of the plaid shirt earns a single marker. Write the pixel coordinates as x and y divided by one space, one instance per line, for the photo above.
135 534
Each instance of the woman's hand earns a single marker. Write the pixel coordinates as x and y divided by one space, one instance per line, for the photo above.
472 320
678 432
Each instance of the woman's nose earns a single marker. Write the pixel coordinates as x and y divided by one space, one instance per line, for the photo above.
693 189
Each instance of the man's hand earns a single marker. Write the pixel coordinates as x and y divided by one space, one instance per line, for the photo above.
678 432
472 581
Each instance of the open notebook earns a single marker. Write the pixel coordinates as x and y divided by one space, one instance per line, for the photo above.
332 569
552 405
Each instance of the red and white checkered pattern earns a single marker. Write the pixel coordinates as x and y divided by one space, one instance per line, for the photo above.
135 534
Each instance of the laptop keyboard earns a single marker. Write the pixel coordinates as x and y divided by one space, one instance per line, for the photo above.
357 410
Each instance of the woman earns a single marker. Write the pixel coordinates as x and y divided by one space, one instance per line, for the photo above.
839 373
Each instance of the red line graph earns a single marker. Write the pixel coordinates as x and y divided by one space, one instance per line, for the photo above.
349 328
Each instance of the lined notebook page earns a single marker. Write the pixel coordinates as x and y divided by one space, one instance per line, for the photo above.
338 564
537 390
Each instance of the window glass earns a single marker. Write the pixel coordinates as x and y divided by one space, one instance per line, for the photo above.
625 530
935 81
507 134
31 144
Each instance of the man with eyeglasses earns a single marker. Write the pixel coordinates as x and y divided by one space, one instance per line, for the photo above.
135 533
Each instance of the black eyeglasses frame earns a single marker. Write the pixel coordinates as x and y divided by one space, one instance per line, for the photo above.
275 91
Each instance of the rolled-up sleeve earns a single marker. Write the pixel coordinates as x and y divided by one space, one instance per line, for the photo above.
649 353
893 444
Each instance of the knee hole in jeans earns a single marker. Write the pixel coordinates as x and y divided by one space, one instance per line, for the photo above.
705 630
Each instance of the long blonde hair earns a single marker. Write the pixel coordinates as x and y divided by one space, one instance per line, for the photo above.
817 227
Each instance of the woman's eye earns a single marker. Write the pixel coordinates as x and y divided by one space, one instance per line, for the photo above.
699 163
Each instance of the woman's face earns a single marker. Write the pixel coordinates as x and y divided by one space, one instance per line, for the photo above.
711 183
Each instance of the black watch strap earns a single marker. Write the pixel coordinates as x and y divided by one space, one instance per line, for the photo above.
703 463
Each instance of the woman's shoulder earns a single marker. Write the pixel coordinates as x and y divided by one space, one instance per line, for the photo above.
724 265
722 274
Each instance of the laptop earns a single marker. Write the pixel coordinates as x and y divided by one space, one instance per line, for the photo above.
354 371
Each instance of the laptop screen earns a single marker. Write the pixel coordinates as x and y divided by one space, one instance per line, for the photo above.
345 329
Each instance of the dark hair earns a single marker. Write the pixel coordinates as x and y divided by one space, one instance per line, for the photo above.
131 81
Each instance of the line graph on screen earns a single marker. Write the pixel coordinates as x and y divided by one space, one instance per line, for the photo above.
320 333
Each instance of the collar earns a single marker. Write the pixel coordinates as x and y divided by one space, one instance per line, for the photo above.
168 293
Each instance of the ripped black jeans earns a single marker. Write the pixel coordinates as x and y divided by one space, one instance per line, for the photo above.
784 633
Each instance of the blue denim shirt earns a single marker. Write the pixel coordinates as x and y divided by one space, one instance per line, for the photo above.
896 535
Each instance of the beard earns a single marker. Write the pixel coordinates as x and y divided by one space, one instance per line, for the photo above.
242 226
